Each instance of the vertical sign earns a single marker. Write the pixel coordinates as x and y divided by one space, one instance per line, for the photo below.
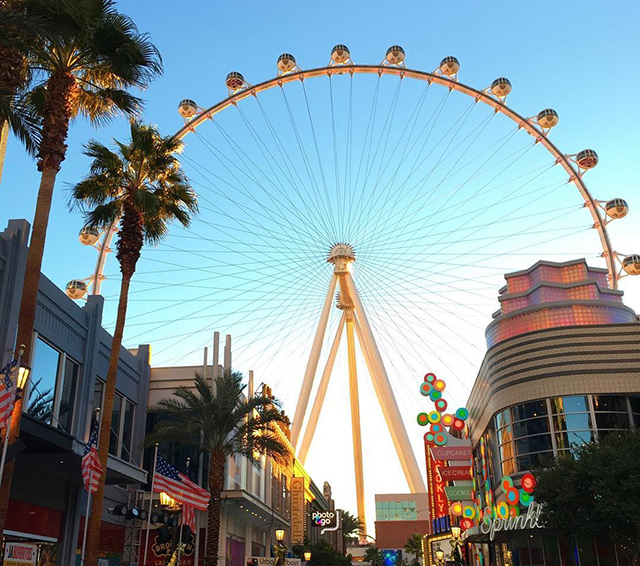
297 510
438 503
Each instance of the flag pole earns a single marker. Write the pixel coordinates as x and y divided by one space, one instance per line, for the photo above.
86 519
5 446
86 515
180 538
153 481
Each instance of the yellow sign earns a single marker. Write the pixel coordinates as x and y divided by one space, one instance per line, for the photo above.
20 554
297 510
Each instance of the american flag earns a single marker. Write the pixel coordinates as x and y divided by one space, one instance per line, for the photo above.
7 392
91 468
189 517
179 487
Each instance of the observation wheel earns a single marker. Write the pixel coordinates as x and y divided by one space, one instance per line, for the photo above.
377 202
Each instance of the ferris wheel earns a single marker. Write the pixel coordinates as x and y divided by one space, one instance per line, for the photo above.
375 201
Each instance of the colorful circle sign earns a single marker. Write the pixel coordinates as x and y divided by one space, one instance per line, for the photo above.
428 438
447 419
456 509
440 439
466 524
514 511
441 405
525 498
458 424
430 377
462 414
528 483
513 496
507 483
435 395
440 385
426 389
436 428
423 419
502 510
469 512
434 417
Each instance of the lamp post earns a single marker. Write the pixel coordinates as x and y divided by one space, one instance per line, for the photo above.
279 549
456 545
440 557
307 557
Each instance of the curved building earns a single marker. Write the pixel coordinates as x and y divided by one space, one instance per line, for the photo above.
562 368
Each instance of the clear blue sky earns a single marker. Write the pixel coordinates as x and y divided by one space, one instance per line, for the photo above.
580 58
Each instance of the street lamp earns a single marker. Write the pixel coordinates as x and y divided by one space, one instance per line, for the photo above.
439 557
307 556
456 545
23 376
279 549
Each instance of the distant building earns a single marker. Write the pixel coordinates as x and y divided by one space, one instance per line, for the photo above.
398 516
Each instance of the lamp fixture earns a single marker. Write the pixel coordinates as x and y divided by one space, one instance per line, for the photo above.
307 556
279 535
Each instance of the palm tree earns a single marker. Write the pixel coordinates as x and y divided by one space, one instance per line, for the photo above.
351 525
374 556
144 188
83 72
414 546
221 422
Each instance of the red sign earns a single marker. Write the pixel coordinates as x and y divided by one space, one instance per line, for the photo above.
451 452
438 502
162 550
453 473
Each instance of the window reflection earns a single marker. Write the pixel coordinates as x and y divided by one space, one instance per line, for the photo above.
573 404
540 443
43 381
115 425
613 403
529 410
532 426
68 397
612 420
572 422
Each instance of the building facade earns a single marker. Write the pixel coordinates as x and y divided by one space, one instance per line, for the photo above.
258 499
562 368
69 368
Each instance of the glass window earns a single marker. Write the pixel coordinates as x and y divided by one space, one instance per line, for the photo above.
612 403
505 435
635 405
530 461
68 396
115 425
578 421
44 373
573 404
98 394
540 443
532 426
612 420
503 418
508 467
574 437
529 410
127 430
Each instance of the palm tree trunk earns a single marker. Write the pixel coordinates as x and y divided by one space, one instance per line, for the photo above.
27 314
93 535
216 485
60 94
